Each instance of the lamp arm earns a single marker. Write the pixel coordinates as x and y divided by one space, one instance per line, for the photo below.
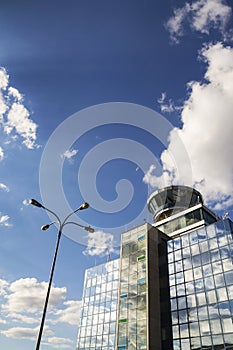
56 216
74 223
67 217
87 228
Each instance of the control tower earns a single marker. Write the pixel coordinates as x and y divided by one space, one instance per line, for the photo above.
179 209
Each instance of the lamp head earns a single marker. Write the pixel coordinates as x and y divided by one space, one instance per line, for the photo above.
89 229
45 227
35 203
84 206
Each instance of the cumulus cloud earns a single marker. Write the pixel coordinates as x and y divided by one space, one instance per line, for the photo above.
26 202
200 16
70 153
4 220
206 132
3 105
1 153
4 187
99 243
175 24
58 342
25 333
23 318
3 286
27 295
22 301
15 94
18 120
32 333
167 105
4 79
155 181
14 116
70 314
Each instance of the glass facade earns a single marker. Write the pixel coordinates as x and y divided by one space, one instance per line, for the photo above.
98 317
181 222
165 292
201 288
132 309
172 199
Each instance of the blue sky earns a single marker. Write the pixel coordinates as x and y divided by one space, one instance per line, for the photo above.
102 102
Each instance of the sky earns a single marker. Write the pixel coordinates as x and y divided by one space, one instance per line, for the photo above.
101 102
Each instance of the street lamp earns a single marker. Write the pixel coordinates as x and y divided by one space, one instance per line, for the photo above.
86 228
44 228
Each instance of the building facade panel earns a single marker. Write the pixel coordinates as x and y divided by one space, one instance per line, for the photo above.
98 317
132 308
201 288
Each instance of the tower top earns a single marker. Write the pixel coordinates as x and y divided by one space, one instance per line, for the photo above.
172 200
179 209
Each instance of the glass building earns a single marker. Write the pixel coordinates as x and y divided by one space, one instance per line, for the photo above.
99 307
201 288
171 288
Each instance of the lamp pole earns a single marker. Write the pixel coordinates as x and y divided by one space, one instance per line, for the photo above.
45 227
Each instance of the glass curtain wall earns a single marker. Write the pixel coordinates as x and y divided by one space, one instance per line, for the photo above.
132 313
99 307
201 288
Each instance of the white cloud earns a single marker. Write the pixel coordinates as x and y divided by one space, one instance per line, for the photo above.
4 220
4 187
25 333
22 318
20 333
58 342
3 287
15 94
175 23
4 78
206 133
24 300
166 179
1 153
99 243
27 295
26 202
70 314
3 105
22 304
210 13
32 333
167 106
14 116
70 153
200 16
18 120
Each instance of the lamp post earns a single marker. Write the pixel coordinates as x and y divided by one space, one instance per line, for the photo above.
45 227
